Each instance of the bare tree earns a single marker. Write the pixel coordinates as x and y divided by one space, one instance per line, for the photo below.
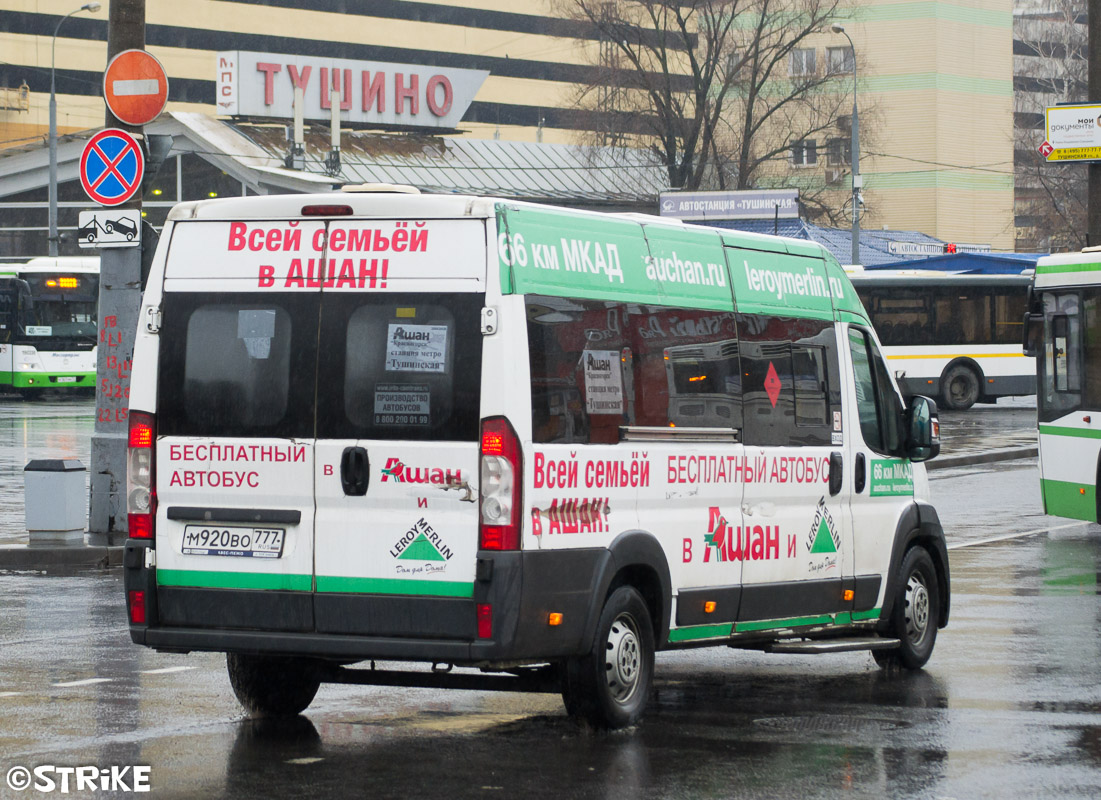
1050 68
720 90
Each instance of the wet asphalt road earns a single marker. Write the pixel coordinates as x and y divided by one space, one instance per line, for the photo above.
1009 705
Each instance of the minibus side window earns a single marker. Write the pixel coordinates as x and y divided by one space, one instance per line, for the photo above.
789 380
580 370
878 405
687 368
599 365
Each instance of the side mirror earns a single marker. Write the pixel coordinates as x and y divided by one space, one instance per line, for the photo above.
1034 333
923 434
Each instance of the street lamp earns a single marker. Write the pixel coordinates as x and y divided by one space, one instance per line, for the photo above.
92 7
857 180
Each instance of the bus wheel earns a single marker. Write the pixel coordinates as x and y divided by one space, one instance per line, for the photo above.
609 686
272 686
915 613
960 387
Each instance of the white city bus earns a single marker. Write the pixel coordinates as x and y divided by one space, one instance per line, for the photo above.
48 313
953 336
1064 333
532 442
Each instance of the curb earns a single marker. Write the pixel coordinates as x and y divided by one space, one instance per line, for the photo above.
59 559
987 457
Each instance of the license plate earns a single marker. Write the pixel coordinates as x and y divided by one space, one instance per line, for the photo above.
213 540
69 379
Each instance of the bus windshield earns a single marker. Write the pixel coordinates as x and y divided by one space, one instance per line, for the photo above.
62 308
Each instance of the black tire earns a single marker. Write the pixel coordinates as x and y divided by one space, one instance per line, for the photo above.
609 686
273 686
960 388
915 613
109 227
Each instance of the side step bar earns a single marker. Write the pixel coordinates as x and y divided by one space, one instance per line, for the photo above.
810 646
539 680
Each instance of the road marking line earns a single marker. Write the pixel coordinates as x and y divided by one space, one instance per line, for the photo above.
164 670
9 694
1021 535
303 760
85 682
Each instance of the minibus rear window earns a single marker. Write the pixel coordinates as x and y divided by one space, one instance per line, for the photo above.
400 366
237 365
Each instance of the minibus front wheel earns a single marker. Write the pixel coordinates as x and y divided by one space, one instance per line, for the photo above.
915 613
273 686
609 686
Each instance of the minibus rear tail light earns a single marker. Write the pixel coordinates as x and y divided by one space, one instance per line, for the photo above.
141 492
501 479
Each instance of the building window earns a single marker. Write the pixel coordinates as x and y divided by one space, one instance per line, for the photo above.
839 151
804 153
840 60
801 61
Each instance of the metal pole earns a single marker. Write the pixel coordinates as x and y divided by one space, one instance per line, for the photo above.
119 301
1093 169
855 144
53 238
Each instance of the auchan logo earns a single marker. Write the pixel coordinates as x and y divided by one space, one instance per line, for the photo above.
398 472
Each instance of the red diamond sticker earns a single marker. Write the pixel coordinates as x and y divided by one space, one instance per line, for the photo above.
1046 149
772 384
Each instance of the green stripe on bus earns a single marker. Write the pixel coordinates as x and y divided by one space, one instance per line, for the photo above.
234 580
1059 430
1071 500
858 616
332 583
794 622
1056 269
700 632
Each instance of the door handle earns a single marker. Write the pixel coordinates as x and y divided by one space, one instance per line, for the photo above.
355 471
861 476
837 472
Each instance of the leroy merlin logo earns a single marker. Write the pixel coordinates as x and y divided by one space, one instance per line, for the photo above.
823 538
421 543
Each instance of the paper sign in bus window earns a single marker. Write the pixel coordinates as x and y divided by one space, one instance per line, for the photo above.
603 382
257 328
402 404
416 348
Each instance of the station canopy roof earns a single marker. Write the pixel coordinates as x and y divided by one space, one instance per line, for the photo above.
254 153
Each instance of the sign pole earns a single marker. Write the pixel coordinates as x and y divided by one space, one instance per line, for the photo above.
119 302
1093 205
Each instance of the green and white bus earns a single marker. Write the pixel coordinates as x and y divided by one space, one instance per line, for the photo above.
1064 333
534 444
48 312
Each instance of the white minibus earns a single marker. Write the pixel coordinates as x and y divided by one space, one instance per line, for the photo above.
525 446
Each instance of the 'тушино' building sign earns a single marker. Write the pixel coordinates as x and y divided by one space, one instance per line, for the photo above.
263 84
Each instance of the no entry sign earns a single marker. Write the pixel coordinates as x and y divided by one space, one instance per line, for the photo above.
135 87
111 167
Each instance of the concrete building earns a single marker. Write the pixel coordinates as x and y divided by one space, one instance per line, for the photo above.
935 91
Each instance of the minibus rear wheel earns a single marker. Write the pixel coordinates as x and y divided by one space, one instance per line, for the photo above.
273 686
609 686
915 613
